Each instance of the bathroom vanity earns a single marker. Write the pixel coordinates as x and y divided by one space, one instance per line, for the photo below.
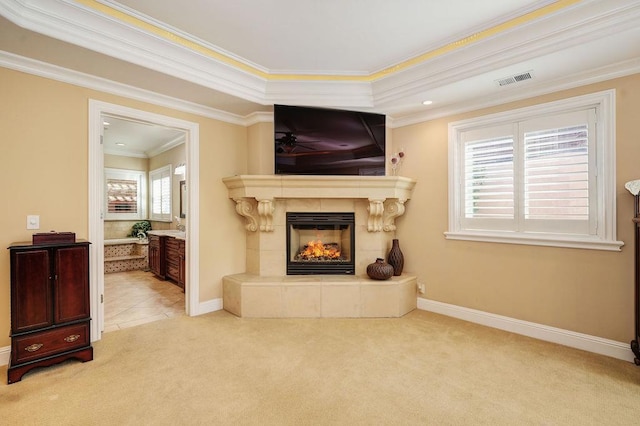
167 255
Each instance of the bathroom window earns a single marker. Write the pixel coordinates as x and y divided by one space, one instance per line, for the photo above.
124 194
160 193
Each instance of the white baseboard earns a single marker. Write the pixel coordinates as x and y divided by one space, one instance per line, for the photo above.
572 339
4 355
209 306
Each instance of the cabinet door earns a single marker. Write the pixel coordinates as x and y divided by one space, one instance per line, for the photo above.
154 259
71 283
30 290
156 255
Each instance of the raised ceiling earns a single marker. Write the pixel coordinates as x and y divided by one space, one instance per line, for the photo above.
235 59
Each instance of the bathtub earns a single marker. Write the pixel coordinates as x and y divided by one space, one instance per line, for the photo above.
126 254
128 240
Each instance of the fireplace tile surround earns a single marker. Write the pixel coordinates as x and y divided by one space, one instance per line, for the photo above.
265 289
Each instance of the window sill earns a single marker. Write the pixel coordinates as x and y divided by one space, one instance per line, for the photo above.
538 239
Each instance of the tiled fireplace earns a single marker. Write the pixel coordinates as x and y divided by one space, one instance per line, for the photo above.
271 288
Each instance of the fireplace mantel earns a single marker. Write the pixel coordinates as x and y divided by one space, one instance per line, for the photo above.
255 196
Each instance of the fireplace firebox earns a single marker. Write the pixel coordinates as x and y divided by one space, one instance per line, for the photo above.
320 243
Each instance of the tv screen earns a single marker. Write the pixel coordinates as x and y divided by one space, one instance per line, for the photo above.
319 141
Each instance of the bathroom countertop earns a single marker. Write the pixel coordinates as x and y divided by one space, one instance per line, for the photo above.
180 235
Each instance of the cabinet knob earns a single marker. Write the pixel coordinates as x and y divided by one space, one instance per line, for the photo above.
34 347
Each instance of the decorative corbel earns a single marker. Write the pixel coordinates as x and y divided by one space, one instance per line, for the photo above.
246 207
392 209
376 209
265 210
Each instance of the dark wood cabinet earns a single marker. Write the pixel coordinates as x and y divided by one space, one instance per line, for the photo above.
174 257
50 310
156 255
182 275
167 258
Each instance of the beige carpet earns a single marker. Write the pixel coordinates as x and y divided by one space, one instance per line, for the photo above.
422 369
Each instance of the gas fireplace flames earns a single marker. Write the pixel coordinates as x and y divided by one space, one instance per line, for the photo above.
317 251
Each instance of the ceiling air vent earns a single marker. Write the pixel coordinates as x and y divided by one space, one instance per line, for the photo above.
515 78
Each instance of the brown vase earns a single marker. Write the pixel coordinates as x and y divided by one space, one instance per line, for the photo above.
380 270
396 258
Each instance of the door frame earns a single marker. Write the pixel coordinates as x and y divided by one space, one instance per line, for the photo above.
96 204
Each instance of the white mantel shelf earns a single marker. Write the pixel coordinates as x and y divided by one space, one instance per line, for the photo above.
255 195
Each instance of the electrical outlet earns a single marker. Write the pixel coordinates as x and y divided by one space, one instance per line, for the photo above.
33 221
421 288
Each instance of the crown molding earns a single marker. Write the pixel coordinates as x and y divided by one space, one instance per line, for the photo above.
82 25
511 47
166 147
54 72
125 153
126 35
518 93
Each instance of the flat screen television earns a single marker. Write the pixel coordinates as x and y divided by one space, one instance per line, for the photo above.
320 141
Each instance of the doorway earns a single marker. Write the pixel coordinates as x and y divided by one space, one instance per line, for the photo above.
97 111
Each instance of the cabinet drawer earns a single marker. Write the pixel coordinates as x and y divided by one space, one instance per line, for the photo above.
39 345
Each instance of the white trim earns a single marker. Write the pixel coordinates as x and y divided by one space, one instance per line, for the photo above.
5 353
54 72
560 336
536 239
212 305
513 94
572 339
96 185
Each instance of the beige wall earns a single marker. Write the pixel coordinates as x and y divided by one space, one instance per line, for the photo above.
126 163
587 291
261 159
44 148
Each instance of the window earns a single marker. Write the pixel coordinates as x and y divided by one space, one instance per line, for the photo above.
124 194
541 175
160 197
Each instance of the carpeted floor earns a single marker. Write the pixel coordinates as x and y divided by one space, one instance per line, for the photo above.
422 369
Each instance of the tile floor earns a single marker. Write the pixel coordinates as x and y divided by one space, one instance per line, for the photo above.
137 297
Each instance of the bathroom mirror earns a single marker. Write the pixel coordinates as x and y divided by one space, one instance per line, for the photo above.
183 199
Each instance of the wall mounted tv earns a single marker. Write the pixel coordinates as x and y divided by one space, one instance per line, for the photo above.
319 141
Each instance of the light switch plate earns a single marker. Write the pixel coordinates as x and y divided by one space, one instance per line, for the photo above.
33 221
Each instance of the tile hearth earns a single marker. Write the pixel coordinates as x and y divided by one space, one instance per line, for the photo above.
318 296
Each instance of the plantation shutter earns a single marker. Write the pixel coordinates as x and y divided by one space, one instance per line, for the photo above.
558 154
488 178
161 193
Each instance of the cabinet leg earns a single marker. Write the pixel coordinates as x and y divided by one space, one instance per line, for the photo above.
15 373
